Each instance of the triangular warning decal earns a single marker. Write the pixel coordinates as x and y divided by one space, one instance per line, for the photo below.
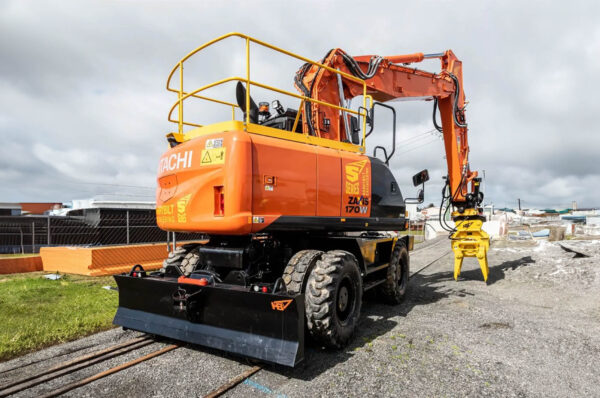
206 158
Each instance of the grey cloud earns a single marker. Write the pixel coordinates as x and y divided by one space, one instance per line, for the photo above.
82 97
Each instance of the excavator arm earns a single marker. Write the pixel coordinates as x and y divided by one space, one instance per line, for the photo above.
390 78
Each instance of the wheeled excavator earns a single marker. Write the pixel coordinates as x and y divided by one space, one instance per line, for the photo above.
300 220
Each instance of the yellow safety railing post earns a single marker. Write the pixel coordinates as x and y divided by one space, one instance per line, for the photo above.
367 104
232 112
181 97
297 116
247 81
363 143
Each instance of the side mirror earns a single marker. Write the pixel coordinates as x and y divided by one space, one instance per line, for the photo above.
354 130
421 177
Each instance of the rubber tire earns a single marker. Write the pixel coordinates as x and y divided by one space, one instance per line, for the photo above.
393 289
298 268
190 261
177 256
322 318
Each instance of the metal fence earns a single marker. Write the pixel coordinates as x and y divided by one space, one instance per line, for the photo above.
89 227
101 227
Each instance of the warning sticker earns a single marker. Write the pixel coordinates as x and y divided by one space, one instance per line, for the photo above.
212 156
214 143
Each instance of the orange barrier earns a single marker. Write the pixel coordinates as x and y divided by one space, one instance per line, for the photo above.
103 260
16 265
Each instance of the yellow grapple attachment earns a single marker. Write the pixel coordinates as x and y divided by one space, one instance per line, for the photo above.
470 240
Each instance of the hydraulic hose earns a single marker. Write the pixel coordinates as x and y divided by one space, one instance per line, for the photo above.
435 106
455 102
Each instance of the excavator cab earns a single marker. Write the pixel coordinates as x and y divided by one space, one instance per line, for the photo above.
284 119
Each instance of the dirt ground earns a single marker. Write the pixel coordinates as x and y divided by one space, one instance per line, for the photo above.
532 331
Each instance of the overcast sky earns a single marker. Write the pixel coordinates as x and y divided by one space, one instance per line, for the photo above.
83 103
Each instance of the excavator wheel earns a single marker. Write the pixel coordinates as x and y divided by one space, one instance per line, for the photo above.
333 298
394 288
178 256
296 272
190 261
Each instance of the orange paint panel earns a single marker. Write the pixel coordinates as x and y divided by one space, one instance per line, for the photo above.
222 160
293 166
329 185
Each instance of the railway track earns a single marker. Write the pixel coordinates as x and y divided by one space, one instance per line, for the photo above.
67 367
85 361
234 381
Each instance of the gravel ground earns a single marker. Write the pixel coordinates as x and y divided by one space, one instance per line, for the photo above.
532 331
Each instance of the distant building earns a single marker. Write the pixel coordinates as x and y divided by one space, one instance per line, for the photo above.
112 203
10 209
413 211
23 208
39 207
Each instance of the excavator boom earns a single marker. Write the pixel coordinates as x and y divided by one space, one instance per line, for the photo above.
389 78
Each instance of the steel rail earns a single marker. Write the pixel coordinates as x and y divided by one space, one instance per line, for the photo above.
110 371
430 263
428 246
42 360
233 382
47 376
76 361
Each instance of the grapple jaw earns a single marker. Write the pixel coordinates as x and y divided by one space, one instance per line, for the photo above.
470 240
264 326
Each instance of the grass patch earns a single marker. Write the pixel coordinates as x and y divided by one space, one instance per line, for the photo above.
37 312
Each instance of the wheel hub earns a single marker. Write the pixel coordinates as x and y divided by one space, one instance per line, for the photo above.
343 298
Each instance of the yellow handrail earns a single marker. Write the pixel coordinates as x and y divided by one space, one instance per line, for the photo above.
264 44
183 95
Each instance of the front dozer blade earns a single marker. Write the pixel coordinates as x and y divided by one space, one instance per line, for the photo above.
264 326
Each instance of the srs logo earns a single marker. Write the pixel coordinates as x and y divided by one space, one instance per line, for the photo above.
353 172
175 161
182 208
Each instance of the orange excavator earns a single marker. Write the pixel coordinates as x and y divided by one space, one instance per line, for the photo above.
300 221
